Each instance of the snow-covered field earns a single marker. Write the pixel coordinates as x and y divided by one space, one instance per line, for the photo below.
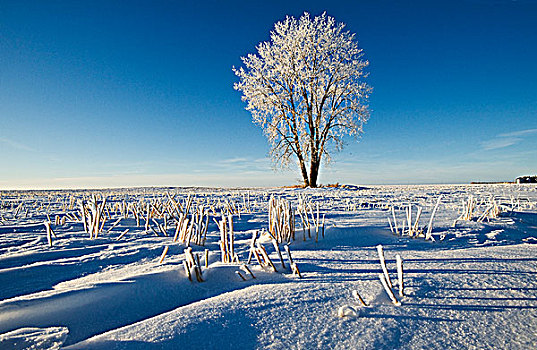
95 285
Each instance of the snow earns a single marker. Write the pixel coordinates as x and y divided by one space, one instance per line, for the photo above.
34 338
474 286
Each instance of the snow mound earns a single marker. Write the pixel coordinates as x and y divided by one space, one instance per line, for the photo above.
50 338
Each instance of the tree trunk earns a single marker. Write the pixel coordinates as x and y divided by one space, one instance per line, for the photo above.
314 171
304 172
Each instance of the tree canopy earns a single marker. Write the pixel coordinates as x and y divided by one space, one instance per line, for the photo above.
305 89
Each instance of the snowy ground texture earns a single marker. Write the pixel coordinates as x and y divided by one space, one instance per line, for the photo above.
472 286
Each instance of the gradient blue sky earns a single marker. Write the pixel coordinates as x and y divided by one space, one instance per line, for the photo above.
131 93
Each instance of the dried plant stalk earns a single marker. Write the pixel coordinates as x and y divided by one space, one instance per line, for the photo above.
359 297
240 275
388 290
383 264
122 234
163 255
399 262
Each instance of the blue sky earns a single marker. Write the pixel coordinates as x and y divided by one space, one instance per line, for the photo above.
139 93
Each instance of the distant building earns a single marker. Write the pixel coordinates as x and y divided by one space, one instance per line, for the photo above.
526 179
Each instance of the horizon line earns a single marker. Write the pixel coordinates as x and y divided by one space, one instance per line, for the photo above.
217 187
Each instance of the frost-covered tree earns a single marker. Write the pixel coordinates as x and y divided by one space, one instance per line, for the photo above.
305 88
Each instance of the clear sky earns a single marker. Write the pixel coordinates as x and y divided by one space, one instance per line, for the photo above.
132 93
